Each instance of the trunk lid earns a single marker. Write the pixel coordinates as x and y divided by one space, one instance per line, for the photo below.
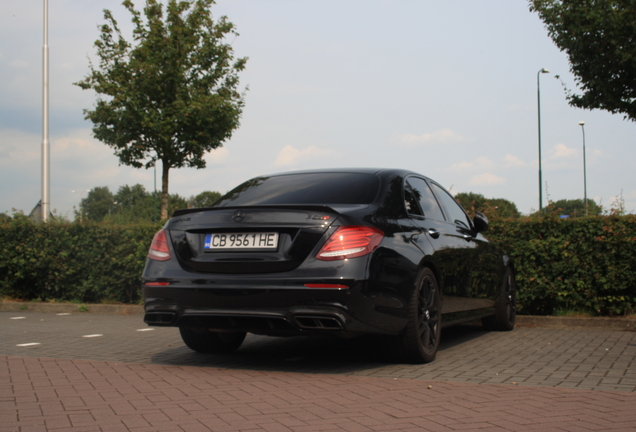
248 240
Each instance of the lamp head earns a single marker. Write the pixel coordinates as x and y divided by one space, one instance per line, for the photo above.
544 70
581 123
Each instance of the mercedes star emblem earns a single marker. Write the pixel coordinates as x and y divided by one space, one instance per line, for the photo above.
238 216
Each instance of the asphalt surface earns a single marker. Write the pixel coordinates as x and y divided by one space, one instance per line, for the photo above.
92 372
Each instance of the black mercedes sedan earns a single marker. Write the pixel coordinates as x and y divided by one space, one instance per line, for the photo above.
337 251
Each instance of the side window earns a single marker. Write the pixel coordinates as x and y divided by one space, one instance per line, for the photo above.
410 202
456 214
426 199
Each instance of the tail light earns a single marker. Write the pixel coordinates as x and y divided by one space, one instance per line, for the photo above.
350 242
156 283
159 250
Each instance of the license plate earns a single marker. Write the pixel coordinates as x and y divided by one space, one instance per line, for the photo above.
225 241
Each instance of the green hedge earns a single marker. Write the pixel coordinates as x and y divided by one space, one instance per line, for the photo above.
584 264
73 262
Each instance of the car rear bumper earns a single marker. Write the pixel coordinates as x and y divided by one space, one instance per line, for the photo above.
281 311
274 322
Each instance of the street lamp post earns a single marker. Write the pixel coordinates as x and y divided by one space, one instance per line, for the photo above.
45 117
582 124
543 70
154 197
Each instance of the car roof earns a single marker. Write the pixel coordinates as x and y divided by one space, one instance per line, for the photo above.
359 170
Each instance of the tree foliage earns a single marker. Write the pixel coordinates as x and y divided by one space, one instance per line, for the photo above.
493 208
575 207
204 199
131 204
599 37
172 95
98 203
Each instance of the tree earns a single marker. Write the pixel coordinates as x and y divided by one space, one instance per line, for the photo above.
173 96
131 196
177 202
599 37
98 203
471 201
5 218
492 207
130 204
204 199
134 204
575 207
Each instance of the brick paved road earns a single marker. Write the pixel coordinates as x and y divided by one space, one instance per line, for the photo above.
584 359
126 379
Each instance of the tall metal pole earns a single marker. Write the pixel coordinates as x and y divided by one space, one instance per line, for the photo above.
544 70
582 123
45 117
154 199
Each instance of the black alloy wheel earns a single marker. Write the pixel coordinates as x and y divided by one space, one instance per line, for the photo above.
204 341
506 307
419 341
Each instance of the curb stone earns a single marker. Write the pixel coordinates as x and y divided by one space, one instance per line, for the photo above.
605 323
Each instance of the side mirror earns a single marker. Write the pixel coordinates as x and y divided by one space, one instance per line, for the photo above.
480 221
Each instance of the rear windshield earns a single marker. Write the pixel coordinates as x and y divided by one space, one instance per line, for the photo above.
315 188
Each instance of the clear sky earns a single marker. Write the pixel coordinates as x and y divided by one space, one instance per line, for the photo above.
447 89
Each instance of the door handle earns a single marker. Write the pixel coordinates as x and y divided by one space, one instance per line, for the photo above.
467 237
433 233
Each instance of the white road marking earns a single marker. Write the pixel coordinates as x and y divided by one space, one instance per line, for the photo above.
63 314
93 335
17 318
146 329
28 344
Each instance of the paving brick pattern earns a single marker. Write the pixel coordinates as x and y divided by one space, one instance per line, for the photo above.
569 358
81 395
530 379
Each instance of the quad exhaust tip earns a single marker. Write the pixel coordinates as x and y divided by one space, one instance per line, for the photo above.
309 322
159 318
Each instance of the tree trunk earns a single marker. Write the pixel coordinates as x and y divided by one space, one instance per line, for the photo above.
164 190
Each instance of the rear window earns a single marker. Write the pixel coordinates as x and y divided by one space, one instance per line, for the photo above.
315 188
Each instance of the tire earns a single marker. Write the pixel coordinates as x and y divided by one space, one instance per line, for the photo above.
419 341
205 341
506 306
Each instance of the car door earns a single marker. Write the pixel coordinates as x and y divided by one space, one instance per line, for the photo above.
479 262
426 213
